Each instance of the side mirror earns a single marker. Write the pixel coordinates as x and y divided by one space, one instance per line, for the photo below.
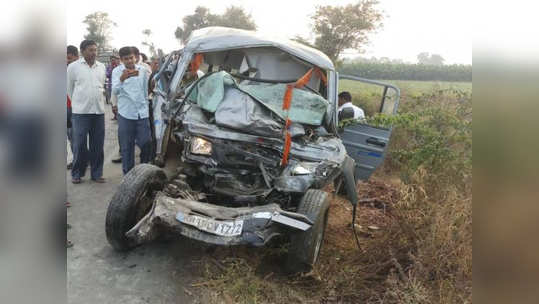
346 113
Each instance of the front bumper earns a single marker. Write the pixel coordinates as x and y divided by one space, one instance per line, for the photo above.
260 223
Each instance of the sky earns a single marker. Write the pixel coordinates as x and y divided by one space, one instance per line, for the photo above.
410 27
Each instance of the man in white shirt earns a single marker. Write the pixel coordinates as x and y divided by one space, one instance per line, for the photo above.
86 87
345 101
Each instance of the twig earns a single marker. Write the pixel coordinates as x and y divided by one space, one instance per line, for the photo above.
397 265
187 291
218 264
368 200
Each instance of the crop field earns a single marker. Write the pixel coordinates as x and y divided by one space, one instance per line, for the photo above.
368 96
409 86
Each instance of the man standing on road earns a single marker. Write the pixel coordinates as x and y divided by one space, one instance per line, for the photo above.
130 84
72 56
85 87
114 62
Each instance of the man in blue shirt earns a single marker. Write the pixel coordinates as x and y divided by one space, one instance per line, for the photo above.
130 84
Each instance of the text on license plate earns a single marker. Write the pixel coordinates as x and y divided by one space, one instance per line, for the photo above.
223 228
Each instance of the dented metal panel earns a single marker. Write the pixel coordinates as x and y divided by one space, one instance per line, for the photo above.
258 224
220 38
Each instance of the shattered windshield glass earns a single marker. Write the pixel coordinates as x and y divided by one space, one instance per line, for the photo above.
211 92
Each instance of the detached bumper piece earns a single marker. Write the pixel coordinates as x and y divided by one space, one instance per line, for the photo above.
216 224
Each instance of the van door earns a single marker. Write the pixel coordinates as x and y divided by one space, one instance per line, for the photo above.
367 144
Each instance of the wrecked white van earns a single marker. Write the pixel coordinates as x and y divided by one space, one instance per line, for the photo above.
254 121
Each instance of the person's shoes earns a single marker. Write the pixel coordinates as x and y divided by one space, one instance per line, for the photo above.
76 180
68 204
99 180
117 160
70 166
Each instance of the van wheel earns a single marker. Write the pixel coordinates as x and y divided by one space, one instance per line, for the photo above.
305 246
131 202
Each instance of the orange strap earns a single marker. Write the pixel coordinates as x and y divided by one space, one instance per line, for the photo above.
196 62
304 79
287 102
321 75
287 99
287 143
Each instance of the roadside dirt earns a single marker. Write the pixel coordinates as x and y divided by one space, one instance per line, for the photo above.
247 275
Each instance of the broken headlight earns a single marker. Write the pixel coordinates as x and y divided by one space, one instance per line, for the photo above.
200 146
304 168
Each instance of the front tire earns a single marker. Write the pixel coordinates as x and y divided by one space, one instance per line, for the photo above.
305 246
131 202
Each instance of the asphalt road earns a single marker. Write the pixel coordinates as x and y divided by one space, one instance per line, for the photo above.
158 272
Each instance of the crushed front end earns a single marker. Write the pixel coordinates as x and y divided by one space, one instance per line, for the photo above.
235 183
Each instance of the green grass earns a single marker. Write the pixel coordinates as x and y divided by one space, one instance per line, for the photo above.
368 97
406 86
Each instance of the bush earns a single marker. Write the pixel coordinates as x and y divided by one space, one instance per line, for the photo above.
429 240
434 132
431 149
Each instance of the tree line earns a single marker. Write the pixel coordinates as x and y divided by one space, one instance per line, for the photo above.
334 28
407 71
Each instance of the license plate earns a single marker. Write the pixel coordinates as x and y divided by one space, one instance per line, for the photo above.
223 228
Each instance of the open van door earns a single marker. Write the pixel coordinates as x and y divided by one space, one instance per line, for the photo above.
367 144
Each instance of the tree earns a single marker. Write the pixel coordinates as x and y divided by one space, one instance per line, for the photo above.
98 26
147 42
337 28
436 59
423 58
234 16
201 18
428 59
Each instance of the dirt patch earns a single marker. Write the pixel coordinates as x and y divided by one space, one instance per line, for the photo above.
248 275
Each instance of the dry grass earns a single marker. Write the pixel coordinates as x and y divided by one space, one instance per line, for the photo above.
422 252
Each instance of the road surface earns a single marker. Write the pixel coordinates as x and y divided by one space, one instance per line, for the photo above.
158 272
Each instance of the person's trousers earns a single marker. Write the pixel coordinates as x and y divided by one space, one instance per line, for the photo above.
70 129
131 132
88 129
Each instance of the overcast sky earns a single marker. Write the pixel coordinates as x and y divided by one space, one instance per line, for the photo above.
410 27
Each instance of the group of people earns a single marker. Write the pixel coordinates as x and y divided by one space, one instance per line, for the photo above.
126 84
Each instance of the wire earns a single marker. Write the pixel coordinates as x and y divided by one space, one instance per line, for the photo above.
354 226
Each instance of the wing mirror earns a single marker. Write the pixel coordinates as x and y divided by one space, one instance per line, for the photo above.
346 113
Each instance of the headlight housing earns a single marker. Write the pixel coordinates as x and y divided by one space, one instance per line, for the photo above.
200 146
304 168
